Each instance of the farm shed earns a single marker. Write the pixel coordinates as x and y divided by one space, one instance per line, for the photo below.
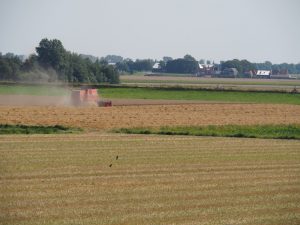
280 74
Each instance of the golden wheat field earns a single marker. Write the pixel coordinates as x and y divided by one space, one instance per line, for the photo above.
66 179
78 178
99 118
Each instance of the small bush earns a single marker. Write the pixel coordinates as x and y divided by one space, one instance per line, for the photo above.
24 129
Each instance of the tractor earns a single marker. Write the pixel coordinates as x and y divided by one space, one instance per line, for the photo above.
87 97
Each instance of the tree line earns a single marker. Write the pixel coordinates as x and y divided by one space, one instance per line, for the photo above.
189 65
186 65
52 62
244 66
130 66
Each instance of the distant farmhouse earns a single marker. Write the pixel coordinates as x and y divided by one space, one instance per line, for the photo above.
214 70
156 67
207 69
273 74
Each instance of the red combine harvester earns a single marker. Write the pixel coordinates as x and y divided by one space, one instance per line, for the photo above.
88 96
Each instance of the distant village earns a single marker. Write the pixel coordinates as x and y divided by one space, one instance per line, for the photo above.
215 70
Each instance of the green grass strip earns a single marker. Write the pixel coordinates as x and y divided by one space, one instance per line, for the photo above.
24 129
255 131
201 95
33 90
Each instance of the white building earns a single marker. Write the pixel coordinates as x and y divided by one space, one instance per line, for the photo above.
263 73
156 66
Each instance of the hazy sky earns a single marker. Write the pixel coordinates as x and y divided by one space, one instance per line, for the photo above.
256 30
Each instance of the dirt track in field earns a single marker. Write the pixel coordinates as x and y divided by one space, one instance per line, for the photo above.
101 118
31 100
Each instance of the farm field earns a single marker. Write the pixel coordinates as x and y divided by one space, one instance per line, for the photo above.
199 95
139 96
106 118
204 80
51 179
66 179
47 95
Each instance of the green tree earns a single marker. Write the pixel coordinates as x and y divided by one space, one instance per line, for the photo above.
122 66
51 53
235 63
246 66
182 66
72 67
113 58
268 65
31 63
111 74
167 58
143 65
162 65
243 66
189 57
5 70
10 66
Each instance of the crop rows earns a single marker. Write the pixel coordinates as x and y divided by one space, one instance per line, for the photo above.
66 179
97 118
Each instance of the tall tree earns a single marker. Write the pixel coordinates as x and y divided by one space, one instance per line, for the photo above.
167 58
51 53
235 63
113 58
189 57
182 66
10 66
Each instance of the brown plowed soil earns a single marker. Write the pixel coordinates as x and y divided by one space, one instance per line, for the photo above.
99 118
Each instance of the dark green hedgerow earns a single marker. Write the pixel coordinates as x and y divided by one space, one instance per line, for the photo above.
253 131
24 129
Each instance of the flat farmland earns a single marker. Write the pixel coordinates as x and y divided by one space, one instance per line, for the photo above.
66 179
77 179
211 83
106 118
205 80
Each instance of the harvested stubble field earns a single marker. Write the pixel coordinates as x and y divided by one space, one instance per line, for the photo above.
206 80
95 118
66 179
211 83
